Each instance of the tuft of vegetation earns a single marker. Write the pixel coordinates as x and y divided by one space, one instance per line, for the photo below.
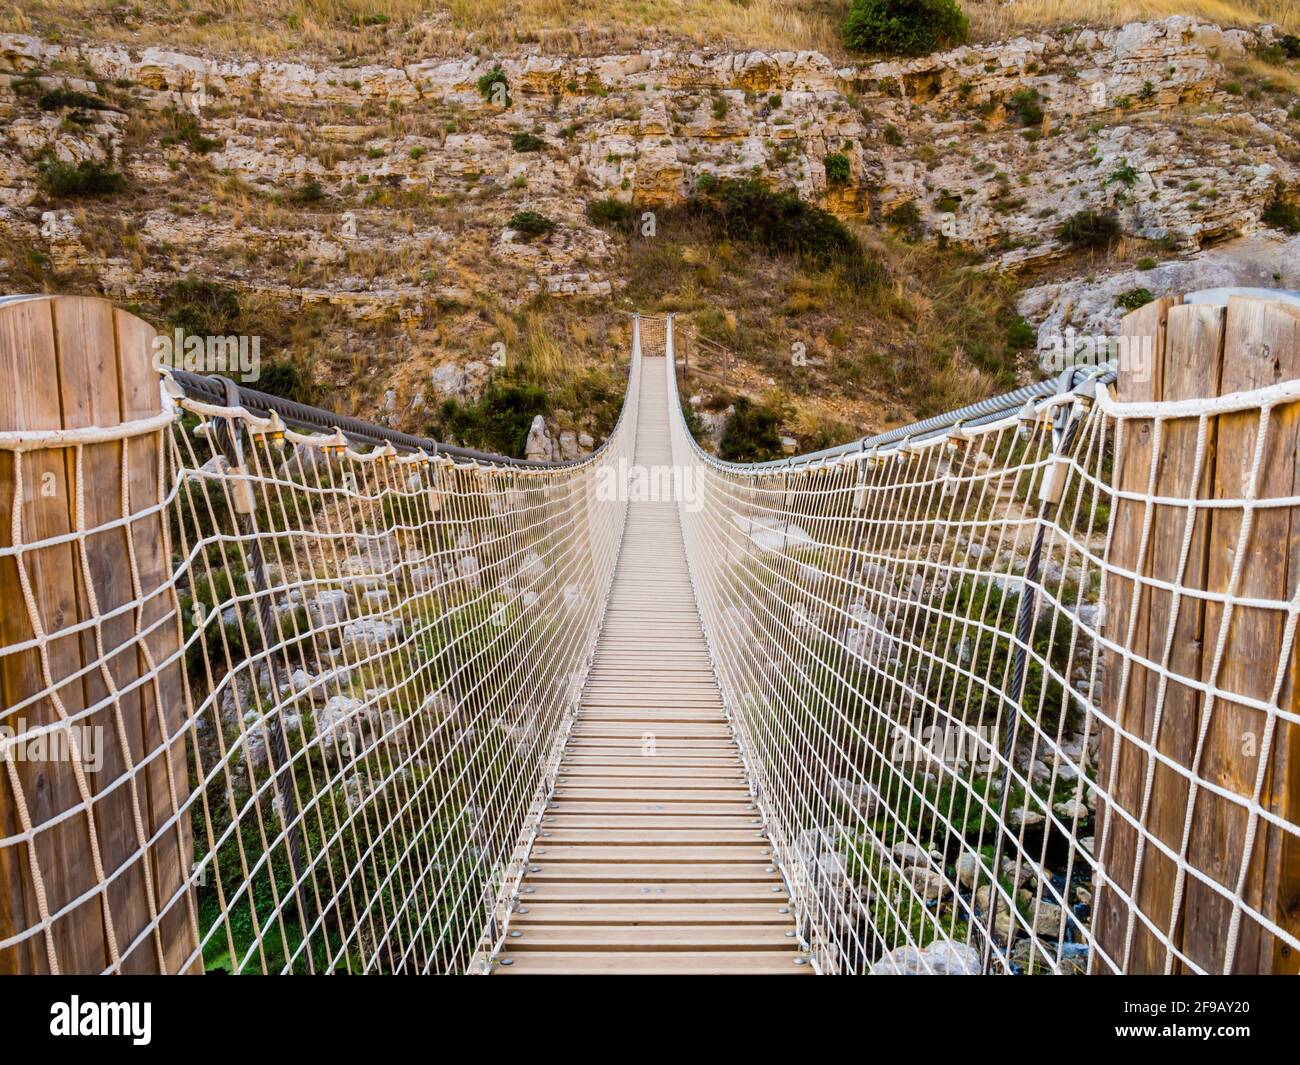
58 99
907 217
1282 215
748 211
1146 263
610 214
78 180
307 193
1021 335
499 420
185 131
526 142
1134 298
1125 174
904 27
1090 229
202 308
487 87
838 169
286 380
752 433
530 223
1025 104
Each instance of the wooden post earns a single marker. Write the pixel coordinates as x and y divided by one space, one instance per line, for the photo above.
68 363
1200 351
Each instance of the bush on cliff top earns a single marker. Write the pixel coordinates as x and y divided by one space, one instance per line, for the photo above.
904 27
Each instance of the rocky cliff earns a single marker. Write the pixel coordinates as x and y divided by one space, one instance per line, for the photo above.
387 194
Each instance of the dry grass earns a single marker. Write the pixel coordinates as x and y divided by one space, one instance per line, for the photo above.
995 19
391 29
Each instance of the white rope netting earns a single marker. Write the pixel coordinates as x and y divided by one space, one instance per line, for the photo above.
989 687
363 665
920 647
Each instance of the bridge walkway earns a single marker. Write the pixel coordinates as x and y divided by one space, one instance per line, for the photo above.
652 859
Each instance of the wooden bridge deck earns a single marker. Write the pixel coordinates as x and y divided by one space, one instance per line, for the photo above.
652 859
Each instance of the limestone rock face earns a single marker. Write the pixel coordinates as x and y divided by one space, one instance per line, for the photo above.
940 131
539 447
1091 307
993 145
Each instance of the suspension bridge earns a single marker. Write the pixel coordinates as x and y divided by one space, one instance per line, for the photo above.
1011 690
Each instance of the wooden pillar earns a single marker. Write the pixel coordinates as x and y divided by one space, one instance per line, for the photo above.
73 363
1199 351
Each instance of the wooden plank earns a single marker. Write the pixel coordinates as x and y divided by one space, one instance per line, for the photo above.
1127 623
640 963
1262 347
162 703
85 349
76 941
1193 356
629 805
610 836
663 822
650 937
651 895
731 854
638 914
651 850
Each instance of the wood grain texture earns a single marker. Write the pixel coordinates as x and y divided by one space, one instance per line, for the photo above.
651 859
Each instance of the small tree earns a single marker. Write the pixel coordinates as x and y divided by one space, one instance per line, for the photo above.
530 223
838 169
1088 229
904 27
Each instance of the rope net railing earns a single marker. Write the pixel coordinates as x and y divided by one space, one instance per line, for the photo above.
990 686
343 708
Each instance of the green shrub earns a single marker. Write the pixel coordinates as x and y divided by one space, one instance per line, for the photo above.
748 211
610 213
903 27
907 217
79 180
1282 215
308 192
1024 102
1125 174
202 308
526 142
530 223
487 86
838 169
1290 45
1134 298
286 380
57 99
891 135
185 130
499 420
1020 334
1146 263
694 423
751 433
1089 229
